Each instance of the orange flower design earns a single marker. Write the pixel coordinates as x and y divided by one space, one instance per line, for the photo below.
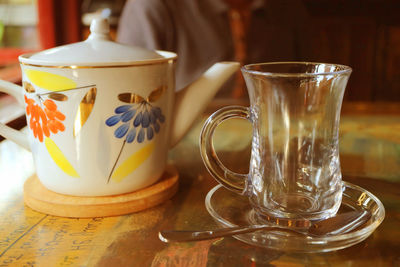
44 120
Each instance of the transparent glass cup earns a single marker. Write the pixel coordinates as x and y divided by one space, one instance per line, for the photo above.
294 169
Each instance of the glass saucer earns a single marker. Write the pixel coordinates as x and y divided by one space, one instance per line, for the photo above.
229 209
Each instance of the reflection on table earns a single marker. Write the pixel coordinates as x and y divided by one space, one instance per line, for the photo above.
370 157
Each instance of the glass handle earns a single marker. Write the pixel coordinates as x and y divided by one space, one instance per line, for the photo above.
233 181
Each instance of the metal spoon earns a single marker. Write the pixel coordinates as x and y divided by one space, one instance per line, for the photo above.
339 224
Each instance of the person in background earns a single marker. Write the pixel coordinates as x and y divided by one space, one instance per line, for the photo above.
203 32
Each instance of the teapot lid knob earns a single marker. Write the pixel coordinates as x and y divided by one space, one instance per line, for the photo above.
99 29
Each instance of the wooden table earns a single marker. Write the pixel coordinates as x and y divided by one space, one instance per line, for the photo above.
370 157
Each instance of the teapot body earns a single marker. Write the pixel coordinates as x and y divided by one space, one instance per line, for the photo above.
99 130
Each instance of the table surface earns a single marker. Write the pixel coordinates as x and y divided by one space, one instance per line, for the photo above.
370 157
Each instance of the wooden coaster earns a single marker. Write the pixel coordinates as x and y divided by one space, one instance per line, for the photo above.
41 199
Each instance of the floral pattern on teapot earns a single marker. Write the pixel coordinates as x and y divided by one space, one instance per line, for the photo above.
138 120
44 117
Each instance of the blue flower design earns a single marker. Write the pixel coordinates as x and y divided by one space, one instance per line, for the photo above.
136 121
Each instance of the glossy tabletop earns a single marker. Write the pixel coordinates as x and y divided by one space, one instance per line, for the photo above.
370 158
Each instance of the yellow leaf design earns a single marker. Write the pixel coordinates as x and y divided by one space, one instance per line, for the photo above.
49 81
59 158
84 110
133 162
156 94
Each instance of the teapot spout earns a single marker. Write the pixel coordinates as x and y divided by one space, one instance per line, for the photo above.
191 101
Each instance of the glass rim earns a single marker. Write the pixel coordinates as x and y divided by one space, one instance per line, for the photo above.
341 69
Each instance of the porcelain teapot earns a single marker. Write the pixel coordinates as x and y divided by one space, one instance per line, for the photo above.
102 115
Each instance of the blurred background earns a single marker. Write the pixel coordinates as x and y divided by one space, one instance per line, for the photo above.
364 34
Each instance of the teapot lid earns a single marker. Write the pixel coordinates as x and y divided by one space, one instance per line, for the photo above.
97 49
